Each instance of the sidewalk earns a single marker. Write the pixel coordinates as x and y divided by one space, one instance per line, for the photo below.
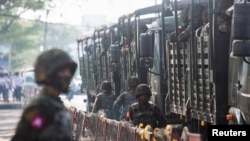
8 122
12 104
10 115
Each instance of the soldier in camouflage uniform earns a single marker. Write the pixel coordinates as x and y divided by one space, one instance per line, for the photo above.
125 99
46 118
145 112
184 30
104 100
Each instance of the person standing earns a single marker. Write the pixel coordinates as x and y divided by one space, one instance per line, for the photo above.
104 100
6 87
144 112
2 86
17 85
46 118
125 99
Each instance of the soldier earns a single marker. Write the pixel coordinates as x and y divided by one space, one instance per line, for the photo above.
125 99
145 112
46 118
224 21
184 29
104 100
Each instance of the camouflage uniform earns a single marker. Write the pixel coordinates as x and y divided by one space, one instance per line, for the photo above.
146 114
224 21
125 99
184 30
104 100
46 118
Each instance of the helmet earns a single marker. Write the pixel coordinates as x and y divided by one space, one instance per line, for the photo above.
142 89
48 63
106 85
132 82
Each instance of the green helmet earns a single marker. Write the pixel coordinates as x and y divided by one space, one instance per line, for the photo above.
142 89
133 82
106 85
48 63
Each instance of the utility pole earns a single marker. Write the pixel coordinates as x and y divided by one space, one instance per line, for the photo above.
45 31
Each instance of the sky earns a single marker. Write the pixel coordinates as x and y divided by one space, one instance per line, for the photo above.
85 13
72 11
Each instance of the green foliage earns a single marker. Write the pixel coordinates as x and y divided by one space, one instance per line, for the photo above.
26 37
13 6
10 10
34 4
23 59
61 35
24 33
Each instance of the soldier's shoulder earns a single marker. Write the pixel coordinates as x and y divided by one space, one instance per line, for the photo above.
122 95
99 94
37 108
154 106
126 93
134 105
37 100
40 102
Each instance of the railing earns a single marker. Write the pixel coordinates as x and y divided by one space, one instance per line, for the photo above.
29 92
96 127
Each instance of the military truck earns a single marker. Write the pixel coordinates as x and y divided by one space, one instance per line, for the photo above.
86 65
202 71
192 54
195 59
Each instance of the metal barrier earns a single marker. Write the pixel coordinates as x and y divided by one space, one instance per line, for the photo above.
29 92
96 127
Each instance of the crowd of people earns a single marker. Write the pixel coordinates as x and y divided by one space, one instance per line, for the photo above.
11 85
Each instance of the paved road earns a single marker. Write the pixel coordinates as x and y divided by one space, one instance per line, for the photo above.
77 101
10 115
8 121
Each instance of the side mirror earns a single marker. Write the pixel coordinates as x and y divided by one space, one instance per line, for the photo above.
146 49
241 29
241 47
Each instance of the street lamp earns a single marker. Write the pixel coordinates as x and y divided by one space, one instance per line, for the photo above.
45 31
49 5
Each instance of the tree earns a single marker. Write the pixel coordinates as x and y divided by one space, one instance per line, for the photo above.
27 36
25 39
60 35
17 32
10 10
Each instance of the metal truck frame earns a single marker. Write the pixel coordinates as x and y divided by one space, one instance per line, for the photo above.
198 77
